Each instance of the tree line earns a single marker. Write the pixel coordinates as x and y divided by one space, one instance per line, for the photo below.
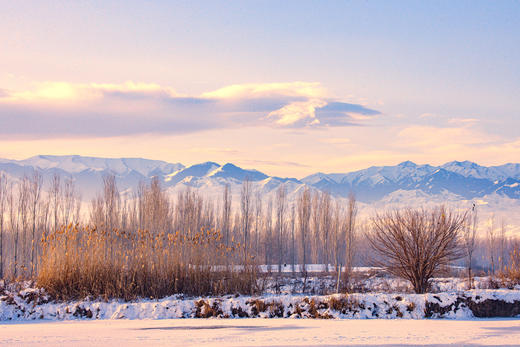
42 230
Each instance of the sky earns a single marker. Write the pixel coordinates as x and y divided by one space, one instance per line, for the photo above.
287 87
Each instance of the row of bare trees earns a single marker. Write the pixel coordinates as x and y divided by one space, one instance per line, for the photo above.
26 212
313 228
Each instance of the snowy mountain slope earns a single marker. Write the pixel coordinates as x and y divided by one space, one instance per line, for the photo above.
469 169
465 179
119 166
462 180
459 184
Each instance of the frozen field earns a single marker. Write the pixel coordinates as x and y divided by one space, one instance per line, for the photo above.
262 332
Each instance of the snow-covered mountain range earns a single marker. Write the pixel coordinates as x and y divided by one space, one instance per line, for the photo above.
465 180
497 188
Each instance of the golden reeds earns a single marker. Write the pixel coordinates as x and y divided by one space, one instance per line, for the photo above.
78 262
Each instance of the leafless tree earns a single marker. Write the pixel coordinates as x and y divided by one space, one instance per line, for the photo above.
492 243
304 214
155 208
55 199
292 226
226 214
350 238
246 209
71 202
23 222
281 197
415 244
3 199
268 226
315 241
13 225
325 227
502 245
35 191
112 202
337 234
258 220
469 239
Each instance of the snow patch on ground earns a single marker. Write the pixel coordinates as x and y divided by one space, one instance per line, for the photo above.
33 304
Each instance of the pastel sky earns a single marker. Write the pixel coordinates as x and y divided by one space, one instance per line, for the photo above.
286 87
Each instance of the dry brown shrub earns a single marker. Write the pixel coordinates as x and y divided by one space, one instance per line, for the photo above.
510 274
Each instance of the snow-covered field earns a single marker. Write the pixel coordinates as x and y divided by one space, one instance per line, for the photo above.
262 332
28 318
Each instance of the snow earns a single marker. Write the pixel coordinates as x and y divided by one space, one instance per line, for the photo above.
261 332
32 304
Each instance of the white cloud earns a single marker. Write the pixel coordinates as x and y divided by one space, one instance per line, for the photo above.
52 109
296 112
64 91
260 90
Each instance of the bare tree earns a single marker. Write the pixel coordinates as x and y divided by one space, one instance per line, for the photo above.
156 208
13 225
469 239
112 202
281 195
502 244
325 227
23 222
315 241
226 214
3 199
55 199
35 191
258 220
304 214
492 243
415 244
337 234
268 226
245 207
350 238
71 202
292 226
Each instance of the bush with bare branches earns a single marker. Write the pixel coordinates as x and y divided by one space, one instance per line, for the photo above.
414 244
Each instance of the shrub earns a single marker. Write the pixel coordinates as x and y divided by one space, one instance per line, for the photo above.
510 274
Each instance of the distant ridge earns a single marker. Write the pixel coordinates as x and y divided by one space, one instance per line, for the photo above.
464 179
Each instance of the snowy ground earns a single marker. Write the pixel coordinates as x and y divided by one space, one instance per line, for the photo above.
261 332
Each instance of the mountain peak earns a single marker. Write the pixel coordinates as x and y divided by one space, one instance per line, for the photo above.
232 171
465 163
407 163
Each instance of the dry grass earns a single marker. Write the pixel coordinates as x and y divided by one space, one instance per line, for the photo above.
79 262
510 274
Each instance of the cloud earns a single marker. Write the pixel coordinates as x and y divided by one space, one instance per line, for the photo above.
262 90
61 109
298 113
463 121
321 112
70 92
